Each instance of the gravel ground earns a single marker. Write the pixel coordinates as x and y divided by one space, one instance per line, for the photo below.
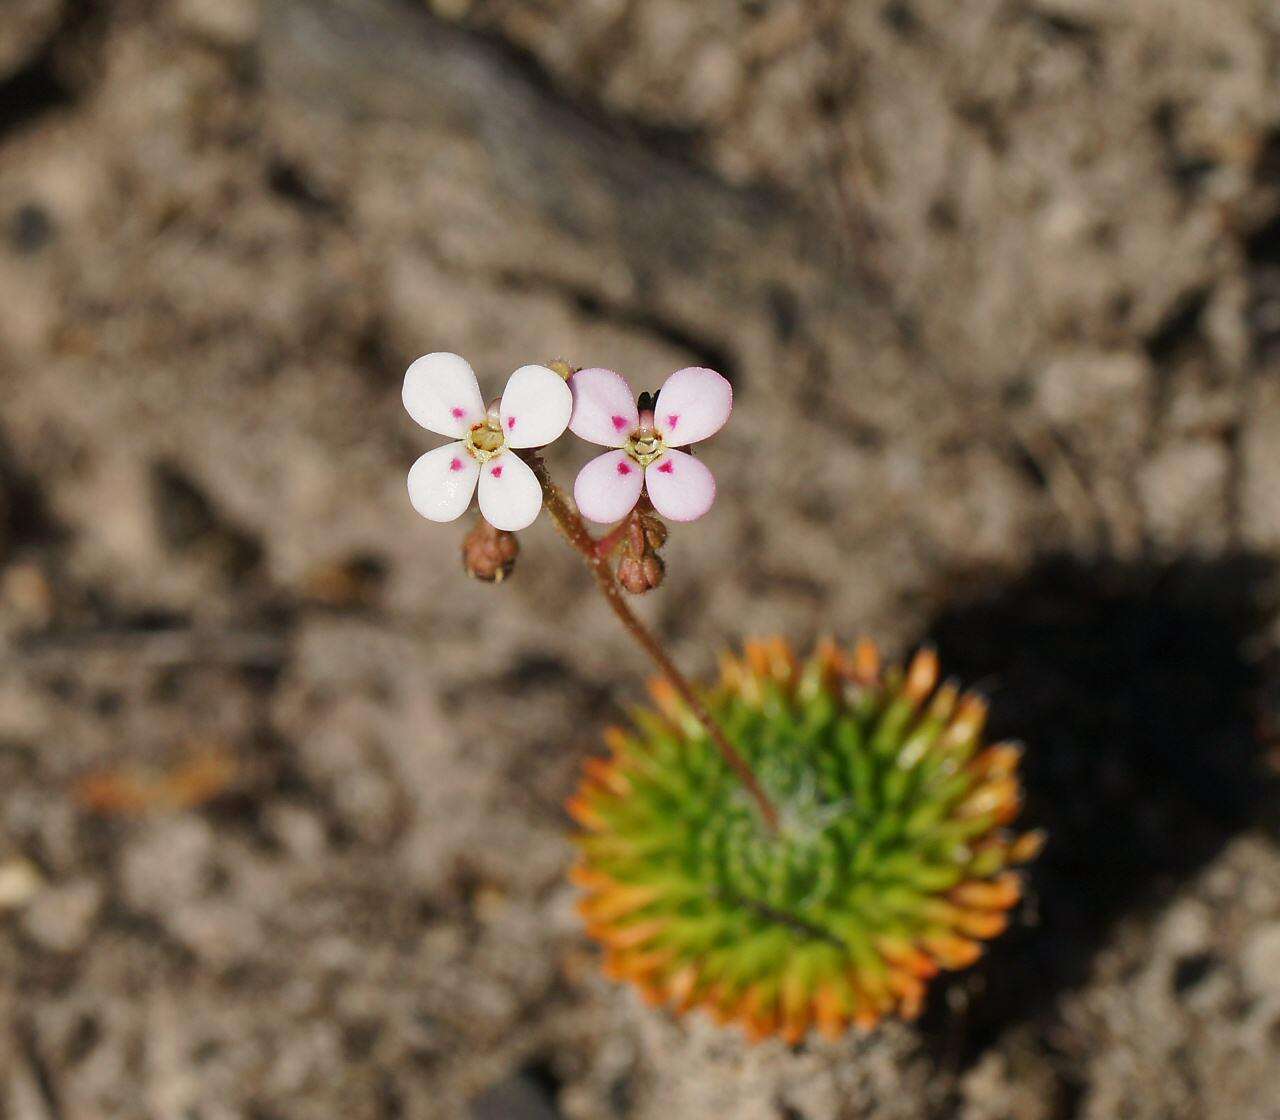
998 287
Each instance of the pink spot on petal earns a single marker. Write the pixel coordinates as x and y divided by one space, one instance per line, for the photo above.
458 413
623 468
619 422
511 422
456 465
496 472
666 468
673 420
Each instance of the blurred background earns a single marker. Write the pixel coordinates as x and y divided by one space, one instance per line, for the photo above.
997 284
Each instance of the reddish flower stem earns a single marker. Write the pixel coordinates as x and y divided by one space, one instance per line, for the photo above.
606 545
574 530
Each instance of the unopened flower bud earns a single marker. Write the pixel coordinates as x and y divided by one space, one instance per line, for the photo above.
642 574
654 529
489 554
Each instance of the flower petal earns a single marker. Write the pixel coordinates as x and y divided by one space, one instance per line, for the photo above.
680 487
510 495
608 487
441 394
442 481
692 404
535 407
604 407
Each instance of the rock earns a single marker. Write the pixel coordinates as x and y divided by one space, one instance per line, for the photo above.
220 932
996 1090
1187 928
27 594
1184 491
1260 962
20 882
517 1098
1103 395
299 830
61 919
167 865
226 23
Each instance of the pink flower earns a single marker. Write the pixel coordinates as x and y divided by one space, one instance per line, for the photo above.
692 404
441 394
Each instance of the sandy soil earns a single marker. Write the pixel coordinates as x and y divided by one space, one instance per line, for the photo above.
998 287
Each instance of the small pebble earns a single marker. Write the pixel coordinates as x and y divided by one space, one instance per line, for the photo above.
226 23
61 918
27 594
20 881
1260 961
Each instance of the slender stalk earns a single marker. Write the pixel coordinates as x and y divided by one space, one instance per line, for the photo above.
606 546
571 525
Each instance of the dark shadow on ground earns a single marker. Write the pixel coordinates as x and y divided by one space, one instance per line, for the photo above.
1137 691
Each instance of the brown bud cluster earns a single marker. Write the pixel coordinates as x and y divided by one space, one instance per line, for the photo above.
489 554
640 568
644 574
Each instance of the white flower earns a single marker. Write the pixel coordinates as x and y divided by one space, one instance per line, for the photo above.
441 394
692 404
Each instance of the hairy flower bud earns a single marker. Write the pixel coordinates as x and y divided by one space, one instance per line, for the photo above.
640 568
489 554
653 528
641 575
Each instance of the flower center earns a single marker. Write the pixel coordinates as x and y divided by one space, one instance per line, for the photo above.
485 440
646 445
